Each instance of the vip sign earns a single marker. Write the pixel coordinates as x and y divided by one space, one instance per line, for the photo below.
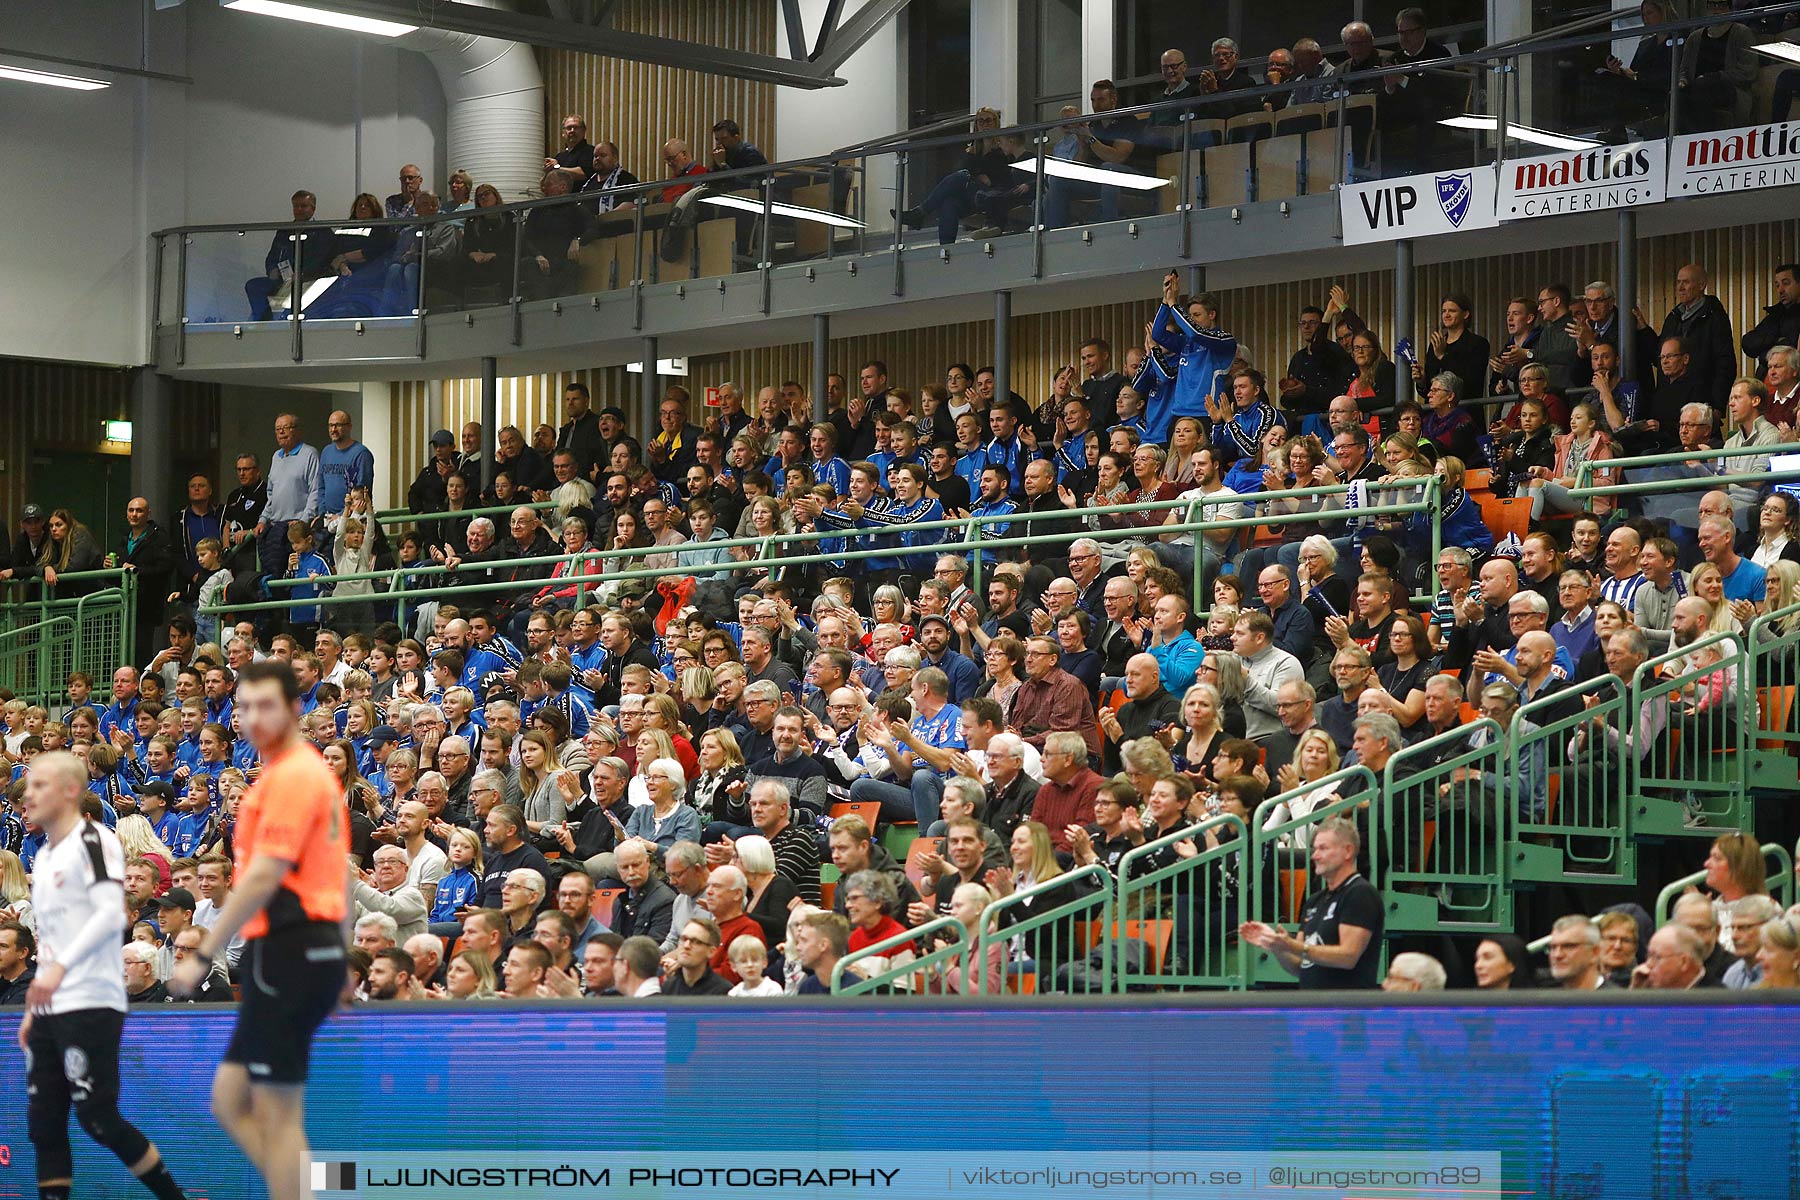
1735 160
1418 206
1582 181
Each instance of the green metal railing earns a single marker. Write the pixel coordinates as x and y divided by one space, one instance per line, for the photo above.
1689 776
1444 832
1584 472
1569 808
1780 882
1281 850
1770 683
972 545
406 516
919 974
45 638
1184 914
1049 938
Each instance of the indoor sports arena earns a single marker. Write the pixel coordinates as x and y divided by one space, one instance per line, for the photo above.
1091 576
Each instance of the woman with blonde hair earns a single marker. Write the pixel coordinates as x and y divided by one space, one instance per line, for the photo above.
543 781
662 711
1315 757
1044 949
650 745
1778 954
469 975
719 792
1708 584
969 904
15 891
138 837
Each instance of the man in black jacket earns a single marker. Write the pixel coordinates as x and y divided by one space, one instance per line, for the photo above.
146 551
647 909
580 434
1780 325
526 467
17 970
1319 370
34 535
1704 326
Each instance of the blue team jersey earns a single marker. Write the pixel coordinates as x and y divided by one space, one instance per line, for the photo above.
1204 357
310 564
457 889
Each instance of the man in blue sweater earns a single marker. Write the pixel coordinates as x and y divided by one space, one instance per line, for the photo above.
344 463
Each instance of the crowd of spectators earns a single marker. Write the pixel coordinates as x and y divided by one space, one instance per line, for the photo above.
576 762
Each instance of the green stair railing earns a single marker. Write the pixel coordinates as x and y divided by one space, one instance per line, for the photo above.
1184 913
1444 805
1689 751
1569 807
920 973
1281 851
1037 942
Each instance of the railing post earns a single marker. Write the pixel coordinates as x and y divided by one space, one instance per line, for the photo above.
181 318
1626 298
1037 211
297 297
419 312
1503 69
1343 138
899 222
518 318
1675 56
156 283
767 265
637 264
1187 184
972 534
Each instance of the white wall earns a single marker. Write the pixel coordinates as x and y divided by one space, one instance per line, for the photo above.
872 104
274 106
69 245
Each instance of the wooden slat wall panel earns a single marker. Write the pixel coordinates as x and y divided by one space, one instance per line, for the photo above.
1264 318
640 106
61 406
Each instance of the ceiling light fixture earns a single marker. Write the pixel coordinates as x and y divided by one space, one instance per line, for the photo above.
1521 133
53 79
321 16
1062 168
797 211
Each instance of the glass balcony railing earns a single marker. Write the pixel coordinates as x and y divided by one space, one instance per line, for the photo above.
1606 83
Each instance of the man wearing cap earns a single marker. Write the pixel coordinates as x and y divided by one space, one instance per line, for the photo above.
427 493
381 743
34 535
934 644
175 912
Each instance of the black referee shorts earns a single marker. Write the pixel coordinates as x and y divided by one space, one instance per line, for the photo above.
291 980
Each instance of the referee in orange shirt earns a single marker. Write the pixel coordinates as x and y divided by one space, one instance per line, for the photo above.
291 901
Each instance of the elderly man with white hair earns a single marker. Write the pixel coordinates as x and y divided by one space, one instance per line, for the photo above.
727 895
520 898
1675 960
374 931
384 889
427 950
1414 972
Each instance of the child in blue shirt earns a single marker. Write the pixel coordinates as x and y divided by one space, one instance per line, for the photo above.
461 885
305 564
